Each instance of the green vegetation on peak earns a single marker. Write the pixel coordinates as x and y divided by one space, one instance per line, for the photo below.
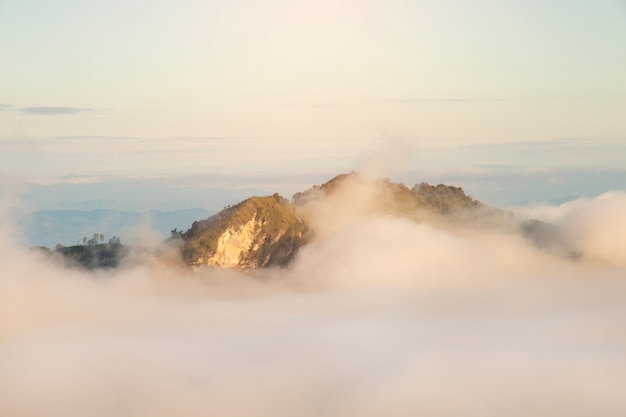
443 198
396 198
93 256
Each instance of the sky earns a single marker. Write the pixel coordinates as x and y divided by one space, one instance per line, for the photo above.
140 87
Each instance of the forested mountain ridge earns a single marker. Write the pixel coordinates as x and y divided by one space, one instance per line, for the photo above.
268 231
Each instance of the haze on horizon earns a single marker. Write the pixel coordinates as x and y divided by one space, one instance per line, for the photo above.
144 88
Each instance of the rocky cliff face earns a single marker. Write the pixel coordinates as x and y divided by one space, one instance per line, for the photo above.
234 243
258 232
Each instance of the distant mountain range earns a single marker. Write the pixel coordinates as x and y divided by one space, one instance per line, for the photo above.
68 227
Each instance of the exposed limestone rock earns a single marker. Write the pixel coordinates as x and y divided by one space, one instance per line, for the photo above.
233 243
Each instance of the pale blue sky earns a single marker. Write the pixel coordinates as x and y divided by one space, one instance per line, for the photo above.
304 83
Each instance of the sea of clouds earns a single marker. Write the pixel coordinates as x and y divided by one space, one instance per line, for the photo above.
378 315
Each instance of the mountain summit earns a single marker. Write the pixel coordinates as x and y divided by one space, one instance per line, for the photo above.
268 231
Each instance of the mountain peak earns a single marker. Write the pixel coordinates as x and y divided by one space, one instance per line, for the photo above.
267 231
258 232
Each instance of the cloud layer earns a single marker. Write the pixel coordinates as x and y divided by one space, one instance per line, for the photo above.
45 110
379 315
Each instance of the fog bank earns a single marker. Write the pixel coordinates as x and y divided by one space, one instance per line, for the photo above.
378 315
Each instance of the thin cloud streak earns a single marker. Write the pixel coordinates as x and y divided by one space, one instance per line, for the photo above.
53 111
418 100
447 100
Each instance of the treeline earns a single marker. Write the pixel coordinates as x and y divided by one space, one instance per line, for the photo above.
97 237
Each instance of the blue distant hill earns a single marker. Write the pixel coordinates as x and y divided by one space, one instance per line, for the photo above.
68 227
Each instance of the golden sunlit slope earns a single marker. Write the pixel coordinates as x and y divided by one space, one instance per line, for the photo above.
258 232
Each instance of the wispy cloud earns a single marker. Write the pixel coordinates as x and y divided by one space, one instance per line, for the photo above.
53 111
91 138
447 100
460 99
4 106
309 105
